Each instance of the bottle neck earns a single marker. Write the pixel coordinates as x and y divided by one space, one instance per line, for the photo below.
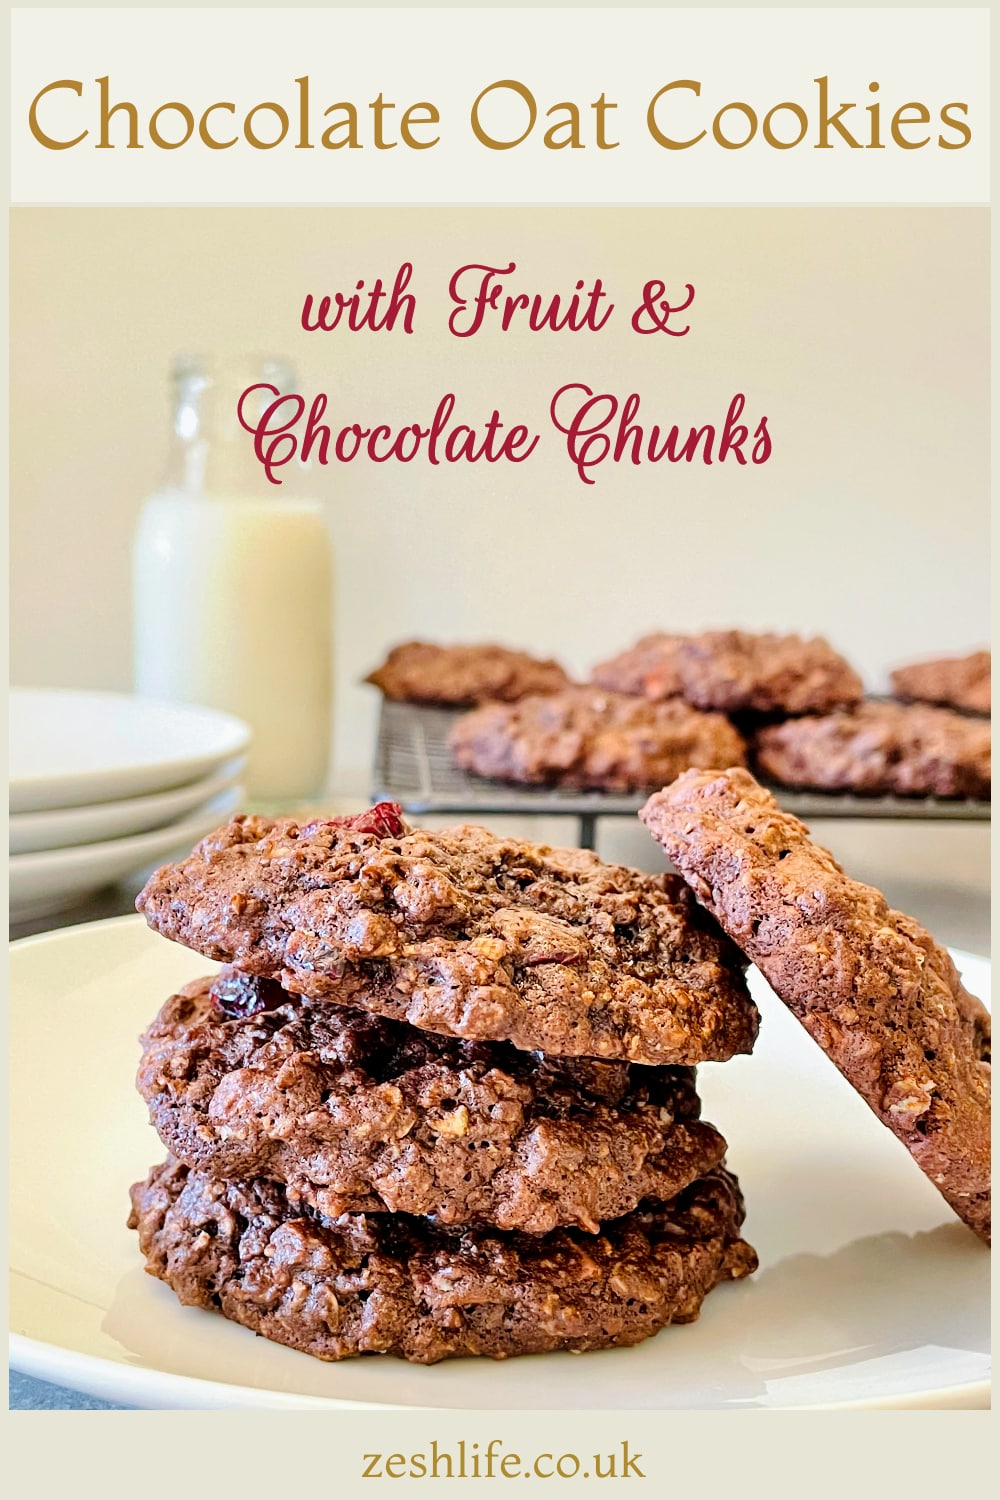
211 453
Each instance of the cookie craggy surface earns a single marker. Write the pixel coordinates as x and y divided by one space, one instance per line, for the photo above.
738 672
588 738
389 1284
906 749
466 934
357 1113
648 669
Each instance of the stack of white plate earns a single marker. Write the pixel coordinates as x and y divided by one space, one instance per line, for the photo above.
104 785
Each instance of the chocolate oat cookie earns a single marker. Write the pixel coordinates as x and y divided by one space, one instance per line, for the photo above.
466 934
588 738
420 672
355 1113
394 1285
646 670
954 681
739 673
908 749
881 998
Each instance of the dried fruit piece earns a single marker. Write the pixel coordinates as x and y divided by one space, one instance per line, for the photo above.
384 820
236 995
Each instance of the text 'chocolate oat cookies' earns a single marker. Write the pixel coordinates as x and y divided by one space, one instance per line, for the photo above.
460 676
737 672
953 681
875 990
395 1285
466 934
590 739
911 750
357 1114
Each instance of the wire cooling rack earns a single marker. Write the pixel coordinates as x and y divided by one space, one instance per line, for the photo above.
413 767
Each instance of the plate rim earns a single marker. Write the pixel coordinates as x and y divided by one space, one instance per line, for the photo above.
191 795
79 869
120 1382
69 855
110 1380
24 792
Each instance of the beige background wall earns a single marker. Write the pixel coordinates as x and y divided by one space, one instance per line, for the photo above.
861 334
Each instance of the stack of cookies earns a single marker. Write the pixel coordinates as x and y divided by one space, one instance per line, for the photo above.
441 1099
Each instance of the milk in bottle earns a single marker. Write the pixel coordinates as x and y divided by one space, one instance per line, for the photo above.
232 586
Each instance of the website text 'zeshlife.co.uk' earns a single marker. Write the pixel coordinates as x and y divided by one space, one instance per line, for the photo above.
489 1460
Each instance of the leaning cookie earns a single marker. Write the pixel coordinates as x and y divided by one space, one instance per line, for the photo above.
736 672
459 676
589 739
459 932
875 990
906 749
357 1114
953 681
387 1284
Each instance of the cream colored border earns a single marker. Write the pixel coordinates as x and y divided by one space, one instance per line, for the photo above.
510 60
149 1454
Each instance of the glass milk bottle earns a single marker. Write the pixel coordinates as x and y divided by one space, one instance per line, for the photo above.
232 586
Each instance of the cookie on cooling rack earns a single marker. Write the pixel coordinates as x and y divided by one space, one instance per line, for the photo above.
589 739
953 681
736 672
911 750
460 676
646 670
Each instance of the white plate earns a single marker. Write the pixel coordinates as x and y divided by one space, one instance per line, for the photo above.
65 827
68 749
870 1293
55 878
